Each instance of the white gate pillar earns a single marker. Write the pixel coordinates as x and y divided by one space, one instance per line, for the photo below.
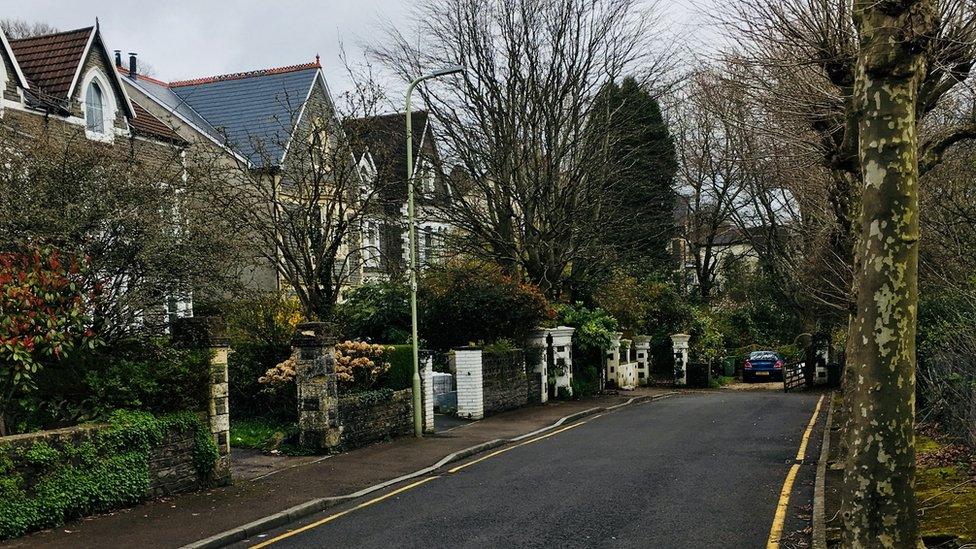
680 347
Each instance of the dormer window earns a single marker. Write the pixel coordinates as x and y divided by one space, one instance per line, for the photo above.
98 106
95 109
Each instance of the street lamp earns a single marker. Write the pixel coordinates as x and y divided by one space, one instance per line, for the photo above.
418 421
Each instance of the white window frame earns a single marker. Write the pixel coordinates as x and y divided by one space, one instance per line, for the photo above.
109 106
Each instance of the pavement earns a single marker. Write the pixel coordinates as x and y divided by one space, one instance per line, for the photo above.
703 469
275 486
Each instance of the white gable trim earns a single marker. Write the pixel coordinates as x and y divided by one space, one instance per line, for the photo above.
301 114
115 76
13 61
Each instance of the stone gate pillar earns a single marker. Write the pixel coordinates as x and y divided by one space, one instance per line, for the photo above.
680 347
210 332
312 355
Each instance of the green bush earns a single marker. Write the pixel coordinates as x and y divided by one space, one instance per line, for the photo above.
248 361
260 331
400 374
42 486
463 303
376 311
136 373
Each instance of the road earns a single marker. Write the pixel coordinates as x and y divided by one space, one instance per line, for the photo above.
696 470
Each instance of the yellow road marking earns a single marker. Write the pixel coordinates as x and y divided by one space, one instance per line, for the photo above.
330 518
784 495
503 450
802 452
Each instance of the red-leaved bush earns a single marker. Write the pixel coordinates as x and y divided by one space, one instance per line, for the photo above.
43 314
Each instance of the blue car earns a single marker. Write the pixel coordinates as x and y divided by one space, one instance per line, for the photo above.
763 366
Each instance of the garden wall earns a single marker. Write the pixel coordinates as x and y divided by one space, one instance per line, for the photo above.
505 382
49 477
375 415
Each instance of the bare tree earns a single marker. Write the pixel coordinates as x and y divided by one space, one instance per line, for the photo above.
16 29
520 122
711 174
798 61
300 198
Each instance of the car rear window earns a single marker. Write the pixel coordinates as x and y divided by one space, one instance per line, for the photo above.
763 355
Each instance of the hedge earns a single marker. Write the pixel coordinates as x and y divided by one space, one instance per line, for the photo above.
400 374
42 486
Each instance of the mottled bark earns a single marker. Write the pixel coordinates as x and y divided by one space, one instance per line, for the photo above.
879 505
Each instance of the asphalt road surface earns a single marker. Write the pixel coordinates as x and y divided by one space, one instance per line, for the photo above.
696 470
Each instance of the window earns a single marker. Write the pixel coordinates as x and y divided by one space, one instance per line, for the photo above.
371 244
428 245
94 109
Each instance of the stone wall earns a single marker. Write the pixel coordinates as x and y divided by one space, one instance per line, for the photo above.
534 386
373 416
172 468
505 384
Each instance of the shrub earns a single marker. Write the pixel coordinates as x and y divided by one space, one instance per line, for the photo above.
400 374
465 302
45 315
260 332
133 373
376 311
358 367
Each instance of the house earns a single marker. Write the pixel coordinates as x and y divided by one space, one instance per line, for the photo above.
63 88
260 122
380 148
709 246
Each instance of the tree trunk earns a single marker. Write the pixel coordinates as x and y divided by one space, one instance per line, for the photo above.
879 477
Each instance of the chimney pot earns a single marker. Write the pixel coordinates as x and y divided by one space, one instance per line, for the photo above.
133 72
118 58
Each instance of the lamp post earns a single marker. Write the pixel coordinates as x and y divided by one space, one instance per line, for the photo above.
418 420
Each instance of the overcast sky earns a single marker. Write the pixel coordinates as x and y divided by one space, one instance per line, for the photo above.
191 38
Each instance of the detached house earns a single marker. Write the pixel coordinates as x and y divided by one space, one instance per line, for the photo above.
62 88
380 148
259 121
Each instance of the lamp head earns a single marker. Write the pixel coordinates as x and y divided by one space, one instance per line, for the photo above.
447 70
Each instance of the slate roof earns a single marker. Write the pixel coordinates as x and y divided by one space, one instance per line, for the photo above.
50 62
160 91
254 113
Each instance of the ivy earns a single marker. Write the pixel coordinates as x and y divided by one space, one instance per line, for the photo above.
42 486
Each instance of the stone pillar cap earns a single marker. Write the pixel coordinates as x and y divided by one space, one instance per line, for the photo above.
200 331
313 334
680 339
642 339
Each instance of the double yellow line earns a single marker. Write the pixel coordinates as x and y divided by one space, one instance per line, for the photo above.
776 531
403 489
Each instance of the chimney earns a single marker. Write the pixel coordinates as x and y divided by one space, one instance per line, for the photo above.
118 58
133 73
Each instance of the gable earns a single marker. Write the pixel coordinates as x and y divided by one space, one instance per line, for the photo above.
10 74
97 59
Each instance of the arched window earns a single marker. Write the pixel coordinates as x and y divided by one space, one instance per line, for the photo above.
94 108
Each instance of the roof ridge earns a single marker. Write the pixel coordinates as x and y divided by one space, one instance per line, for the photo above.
247 74
125 72
39 36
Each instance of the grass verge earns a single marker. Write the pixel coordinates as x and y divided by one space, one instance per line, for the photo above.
945 486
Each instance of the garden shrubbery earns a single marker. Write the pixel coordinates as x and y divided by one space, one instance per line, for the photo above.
462 303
